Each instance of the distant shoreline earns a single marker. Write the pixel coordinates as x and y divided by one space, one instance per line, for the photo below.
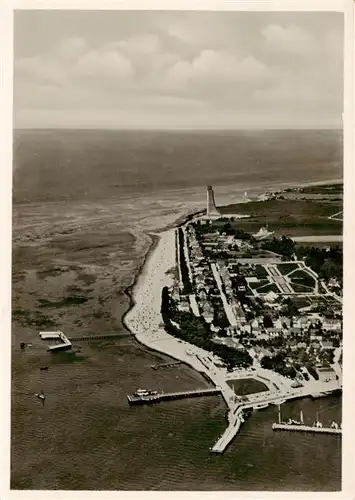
155 237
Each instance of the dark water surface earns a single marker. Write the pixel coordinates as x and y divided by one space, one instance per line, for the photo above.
84 205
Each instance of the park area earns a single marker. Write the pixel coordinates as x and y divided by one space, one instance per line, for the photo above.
298 278
245 386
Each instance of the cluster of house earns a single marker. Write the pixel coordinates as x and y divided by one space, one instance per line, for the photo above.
215 242
308 330
201 279
334 286
205 294
301 332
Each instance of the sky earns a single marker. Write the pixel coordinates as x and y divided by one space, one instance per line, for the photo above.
178 70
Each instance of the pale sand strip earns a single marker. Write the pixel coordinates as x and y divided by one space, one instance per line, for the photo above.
144 319
145 322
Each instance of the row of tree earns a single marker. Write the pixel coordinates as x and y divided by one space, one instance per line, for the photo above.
277 363
326 263
283 246
197 332
183 266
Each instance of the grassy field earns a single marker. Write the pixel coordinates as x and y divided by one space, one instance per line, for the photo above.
245 386
269 288
298 288
258 284
323 189
287 268
260 272
302 278
301 302
288 217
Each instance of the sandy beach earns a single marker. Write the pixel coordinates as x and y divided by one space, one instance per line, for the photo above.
144 318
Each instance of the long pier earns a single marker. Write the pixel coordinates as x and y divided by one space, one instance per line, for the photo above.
101 337
169 396
57 335
236 416
170 364
305 428
232 429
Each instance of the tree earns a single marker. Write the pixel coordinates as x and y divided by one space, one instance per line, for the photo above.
267 321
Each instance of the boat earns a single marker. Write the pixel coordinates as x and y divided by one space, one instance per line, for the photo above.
141 393
295 425
280 402
260 406
245 414
41 396
290 421
317 395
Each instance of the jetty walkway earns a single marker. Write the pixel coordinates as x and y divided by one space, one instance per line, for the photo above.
306 428
101 337
235 415
170 364
134 399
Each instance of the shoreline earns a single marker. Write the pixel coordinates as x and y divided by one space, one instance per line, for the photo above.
143 320
155 237
179 222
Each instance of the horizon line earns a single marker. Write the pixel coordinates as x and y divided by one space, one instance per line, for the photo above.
237 129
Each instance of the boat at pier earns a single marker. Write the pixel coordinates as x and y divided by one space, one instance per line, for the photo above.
141 393
145 396
260 406
299 425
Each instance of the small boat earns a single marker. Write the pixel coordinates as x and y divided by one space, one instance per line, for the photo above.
43 368
260 406
290 421
41 396
141 393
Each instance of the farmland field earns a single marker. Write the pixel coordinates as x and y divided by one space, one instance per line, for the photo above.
289 217
302 278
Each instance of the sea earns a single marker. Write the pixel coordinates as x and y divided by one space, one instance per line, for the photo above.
87 205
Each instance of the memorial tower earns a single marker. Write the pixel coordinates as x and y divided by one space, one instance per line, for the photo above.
211 206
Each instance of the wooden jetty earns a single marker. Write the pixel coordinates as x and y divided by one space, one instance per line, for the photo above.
135 399
57 335
299 426
305 428
101 337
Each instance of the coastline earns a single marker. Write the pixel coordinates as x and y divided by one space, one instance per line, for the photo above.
143 320
129 291
94 243
155 237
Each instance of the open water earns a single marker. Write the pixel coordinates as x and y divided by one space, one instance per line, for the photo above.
85 203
